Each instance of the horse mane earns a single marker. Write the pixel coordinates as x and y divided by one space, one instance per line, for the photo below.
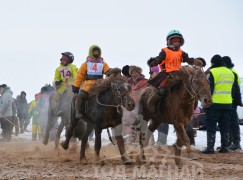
103 84
178 78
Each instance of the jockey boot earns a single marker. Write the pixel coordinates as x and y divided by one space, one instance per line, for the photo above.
224 143
79 104
162 91
236 141
210 143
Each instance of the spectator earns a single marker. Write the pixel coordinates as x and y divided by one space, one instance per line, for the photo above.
15 118
34 114
234 122
6 112
22 111
221 80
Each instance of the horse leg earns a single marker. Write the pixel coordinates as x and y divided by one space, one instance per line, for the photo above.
152 127
84 140
144 137
97 144
145 134
120 142
69 134
182 139
72 124
50 124
59 131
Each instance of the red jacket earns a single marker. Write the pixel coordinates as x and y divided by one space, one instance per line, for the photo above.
137 86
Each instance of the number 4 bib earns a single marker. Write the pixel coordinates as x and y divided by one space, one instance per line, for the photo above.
94 68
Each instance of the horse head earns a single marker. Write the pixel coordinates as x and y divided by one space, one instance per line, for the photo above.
121 90
200 86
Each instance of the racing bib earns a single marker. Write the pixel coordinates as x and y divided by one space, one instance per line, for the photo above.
94 68
65 72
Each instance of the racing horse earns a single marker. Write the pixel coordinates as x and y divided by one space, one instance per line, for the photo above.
187 86
103 110
62 109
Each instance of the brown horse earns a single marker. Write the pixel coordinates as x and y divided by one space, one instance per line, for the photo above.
186 87
103 110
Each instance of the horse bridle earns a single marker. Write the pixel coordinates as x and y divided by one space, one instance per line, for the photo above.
118 95
193 94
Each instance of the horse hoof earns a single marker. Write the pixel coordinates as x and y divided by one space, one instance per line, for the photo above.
100 163
45 142
180 165
128 162
83 161
141 159
192 157
64 145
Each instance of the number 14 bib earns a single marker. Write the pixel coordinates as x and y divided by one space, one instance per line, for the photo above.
65 72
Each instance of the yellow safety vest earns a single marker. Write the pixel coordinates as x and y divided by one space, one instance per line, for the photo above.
223 82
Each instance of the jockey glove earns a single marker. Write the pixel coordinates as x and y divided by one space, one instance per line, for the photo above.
57 83
151 62
75 89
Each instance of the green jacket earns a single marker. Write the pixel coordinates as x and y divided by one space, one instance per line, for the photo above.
67 75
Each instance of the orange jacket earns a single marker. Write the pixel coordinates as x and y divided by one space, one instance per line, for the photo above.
82 78
172 60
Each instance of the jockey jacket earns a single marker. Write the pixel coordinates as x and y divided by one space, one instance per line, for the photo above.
170 60
91 70
67 75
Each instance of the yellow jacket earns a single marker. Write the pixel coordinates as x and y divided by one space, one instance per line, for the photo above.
91 70
82 77
67 75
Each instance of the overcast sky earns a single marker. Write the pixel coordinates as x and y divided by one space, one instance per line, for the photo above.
35 32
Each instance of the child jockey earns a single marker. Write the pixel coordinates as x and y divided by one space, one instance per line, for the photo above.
64 76
90 71
169 60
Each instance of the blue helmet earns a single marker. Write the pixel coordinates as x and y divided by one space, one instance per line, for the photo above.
174 34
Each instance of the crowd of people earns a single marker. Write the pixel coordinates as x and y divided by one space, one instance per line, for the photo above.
15 114
223 79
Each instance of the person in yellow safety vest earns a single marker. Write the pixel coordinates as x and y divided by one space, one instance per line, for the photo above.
221 81
64 77
92 69
34 113
234 140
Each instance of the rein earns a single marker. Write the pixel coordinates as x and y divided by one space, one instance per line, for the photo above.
111 105
108 105
141 86
193 94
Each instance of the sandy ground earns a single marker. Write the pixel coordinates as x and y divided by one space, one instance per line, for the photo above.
22 159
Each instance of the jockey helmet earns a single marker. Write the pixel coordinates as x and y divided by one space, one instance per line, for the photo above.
69 55
174 34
